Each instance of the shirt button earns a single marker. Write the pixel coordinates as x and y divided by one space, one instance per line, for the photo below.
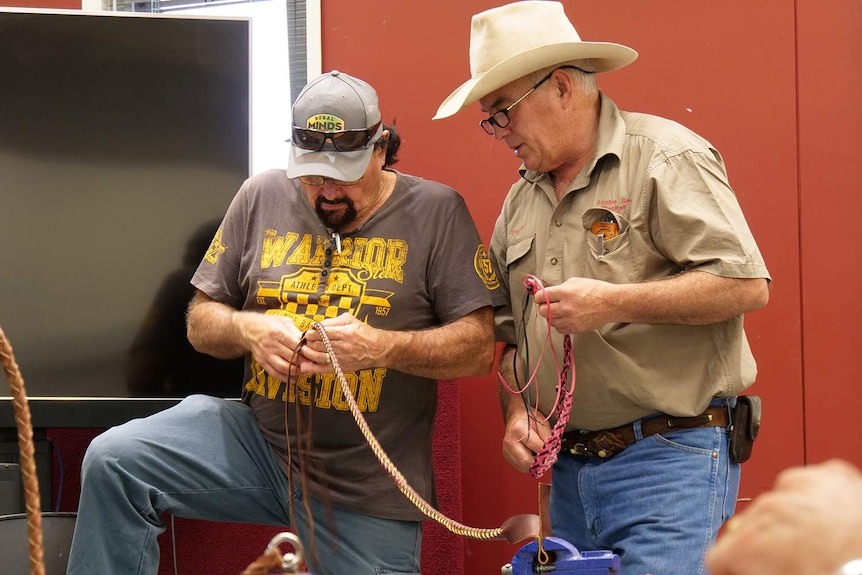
553 261
558 223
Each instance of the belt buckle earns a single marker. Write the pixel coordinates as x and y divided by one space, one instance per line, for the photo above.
580 449
603 445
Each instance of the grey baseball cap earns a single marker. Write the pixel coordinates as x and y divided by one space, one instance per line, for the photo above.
334 102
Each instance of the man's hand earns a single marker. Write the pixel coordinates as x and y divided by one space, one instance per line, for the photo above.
356 344
273 341
809 524
691 298
576 305
523 437
224 332
459 348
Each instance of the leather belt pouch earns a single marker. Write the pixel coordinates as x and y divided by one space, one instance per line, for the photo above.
745 426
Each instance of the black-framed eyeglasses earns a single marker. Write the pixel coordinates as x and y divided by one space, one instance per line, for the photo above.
344 141
320 180
501 119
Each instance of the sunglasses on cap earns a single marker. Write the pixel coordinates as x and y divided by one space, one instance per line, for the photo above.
346 141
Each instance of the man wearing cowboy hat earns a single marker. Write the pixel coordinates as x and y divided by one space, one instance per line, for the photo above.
645 263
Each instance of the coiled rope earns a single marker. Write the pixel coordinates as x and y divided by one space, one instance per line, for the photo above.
28 459
400 481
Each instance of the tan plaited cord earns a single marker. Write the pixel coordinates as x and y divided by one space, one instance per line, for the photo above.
28 460
513 530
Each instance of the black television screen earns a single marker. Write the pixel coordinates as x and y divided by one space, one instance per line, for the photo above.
123 139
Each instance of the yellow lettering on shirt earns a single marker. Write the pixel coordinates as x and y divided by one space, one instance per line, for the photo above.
378 258
365 385
275 248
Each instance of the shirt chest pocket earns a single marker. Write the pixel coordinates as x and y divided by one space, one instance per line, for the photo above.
520 261
608 240
606 232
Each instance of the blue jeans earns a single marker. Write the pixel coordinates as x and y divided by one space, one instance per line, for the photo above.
658 504
206 459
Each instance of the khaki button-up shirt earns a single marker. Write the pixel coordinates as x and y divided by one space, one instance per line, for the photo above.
667 190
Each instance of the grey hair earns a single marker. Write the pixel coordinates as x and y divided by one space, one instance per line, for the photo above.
587 82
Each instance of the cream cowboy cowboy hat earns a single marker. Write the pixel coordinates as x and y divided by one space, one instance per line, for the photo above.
511 41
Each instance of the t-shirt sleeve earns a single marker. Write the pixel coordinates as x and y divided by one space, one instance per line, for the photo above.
504 322
219 273
461 278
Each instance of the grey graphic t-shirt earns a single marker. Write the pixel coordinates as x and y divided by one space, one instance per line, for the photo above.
416 263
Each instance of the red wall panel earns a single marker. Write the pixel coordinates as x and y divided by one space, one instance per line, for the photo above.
830 172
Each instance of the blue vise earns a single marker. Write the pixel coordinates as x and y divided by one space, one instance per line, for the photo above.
562 557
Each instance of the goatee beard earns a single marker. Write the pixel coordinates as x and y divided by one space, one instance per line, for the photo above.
335 220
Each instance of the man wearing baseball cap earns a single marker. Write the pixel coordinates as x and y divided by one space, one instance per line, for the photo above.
392 266
623 238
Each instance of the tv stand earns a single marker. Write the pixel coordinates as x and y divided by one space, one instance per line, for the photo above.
83 412
12 492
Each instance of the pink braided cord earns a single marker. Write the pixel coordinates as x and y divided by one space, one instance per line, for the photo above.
547 456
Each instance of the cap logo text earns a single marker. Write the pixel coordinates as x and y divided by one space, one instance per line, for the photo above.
325 123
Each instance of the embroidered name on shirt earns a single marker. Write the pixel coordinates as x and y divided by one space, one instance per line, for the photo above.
619 205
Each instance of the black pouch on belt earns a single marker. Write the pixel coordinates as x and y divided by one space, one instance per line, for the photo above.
744 427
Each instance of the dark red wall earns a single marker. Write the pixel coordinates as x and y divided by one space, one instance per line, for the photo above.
775 85
829 93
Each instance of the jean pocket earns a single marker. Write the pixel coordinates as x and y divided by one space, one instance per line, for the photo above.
703 441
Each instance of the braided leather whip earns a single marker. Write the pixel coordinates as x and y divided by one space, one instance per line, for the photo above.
28 460
513 530
547 456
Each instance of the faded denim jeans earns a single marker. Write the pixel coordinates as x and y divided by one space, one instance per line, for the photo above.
206 459
658 504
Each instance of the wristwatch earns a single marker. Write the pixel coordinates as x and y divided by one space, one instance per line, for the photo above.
853 567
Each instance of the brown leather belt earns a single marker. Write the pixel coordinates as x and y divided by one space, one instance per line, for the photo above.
609 442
